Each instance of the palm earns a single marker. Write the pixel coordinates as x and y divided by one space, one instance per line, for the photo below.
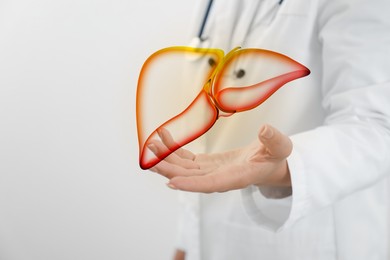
220 172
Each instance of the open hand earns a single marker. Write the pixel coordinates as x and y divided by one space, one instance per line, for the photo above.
261 163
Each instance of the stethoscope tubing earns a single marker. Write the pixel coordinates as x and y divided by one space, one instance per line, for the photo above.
204 21
206 16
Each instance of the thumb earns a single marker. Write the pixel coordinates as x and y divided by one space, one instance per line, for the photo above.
277 144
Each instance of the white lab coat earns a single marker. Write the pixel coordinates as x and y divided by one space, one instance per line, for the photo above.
339 121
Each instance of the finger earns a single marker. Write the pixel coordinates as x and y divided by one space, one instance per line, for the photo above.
170 170
159 148
217 159
168 140
219 181
185 163
277 144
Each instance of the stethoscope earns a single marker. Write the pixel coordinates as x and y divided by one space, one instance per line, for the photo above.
204 21
200 41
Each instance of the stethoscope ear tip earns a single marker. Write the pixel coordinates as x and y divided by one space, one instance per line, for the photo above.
198 43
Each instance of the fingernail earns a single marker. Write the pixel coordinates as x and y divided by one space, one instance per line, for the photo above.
267 132
170 185
159 132
152 147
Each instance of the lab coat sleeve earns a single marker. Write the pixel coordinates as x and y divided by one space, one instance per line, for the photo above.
350 151
188 221
181 242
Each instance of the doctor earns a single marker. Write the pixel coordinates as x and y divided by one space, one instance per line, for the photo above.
307 174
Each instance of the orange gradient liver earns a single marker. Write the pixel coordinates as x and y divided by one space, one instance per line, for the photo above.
185 90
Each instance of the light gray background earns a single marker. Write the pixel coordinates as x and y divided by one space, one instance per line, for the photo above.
70 185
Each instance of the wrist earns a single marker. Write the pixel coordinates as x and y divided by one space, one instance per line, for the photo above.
279 177
278 184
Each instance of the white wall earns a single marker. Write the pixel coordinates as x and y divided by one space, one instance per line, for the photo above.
70 185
